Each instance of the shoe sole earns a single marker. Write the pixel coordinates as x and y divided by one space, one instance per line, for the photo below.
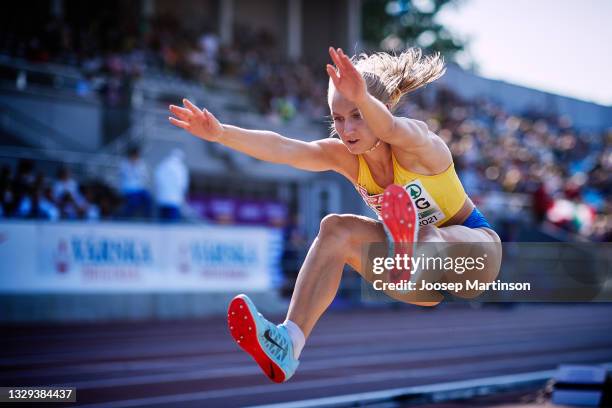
244 330
399 217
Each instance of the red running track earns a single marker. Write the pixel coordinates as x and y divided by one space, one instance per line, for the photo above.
197 364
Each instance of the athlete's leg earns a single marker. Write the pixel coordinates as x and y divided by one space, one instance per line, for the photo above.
276 348
340 241
478 242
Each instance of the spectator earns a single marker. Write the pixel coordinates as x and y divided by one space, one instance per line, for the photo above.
133 180
65 185
171 182
91 211
37 202
23 184
6 192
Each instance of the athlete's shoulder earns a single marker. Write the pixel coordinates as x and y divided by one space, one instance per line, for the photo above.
429 153
344 162
331 143
416 124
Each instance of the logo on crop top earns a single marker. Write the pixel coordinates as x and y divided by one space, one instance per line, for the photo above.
414 191
429 211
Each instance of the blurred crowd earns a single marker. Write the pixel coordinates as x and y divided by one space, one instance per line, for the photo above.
563 172
28 193
110 60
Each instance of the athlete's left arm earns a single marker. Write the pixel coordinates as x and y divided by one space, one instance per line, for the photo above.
407 134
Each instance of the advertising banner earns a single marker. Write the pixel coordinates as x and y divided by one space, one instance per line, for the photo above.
116 257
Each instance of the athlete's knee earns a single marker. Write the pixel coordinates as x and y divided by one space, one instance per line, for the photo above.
492 235
429 304
335 226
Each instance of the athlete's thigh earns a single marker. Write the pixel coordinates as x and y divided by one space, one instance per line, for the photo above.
461 233
366 231
473 243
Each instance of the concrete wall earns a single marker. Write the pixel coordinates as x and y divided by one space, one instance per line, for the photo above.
77 122
73 307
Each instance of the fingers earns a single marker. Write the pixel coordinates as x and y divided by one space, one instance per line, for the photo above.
348 68
334 56
342 61
333 74
196 111
181 113
191 118
179 123
207 115
339 57
346 61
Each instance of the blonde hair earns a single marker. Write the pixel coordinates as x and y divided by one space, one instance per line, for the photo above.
389 77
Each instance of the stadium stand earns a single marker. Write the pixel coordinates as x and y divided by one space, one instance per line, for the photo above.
507 160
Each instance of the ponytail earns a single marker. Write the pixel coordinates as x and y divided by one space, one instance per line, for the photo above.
389 77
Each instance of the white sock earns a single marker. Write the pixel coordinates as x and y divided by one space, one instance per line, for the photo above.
297 337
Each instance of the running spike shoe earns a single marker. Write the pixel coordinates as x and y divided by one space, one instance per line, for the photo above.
399 217
269 345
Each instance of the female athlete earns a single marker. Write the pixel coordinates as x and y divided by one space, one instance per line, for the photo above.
403 171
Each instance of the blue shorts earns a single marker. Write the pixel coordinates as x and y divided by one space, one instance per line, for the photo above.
476 220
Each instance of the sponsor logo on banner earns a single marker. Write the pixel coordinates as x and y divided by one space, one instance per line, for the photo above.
111 251
225 259
61 257
184 261
429 211
102 258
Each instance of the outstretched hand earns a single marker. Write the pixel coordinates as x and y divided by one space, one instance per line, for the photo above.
200 123
347 80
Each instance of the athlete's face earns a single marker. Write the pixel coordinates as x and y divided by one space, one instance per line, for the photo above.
349 125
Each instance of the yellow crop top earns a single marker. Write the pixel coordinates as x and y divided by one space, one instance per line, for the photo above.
437 198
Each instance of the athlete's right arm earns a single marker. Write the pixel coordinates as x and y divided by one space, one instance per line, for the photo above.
320 155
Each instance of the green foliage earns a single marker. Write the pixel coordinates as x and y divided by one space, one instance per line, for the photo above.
396 24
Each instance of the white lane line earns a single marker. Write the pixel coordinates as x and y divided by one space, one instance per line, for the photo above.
409 357
470 367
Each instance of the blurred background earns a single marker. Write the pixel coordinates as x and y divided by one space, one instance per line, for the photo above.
117 229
